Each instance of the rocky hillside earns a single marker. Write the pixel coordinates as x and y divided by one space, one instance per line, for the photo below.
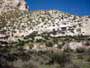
18 23
61 24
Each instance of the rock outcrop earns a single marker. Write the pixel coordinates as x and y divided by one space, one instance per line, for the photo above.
7 5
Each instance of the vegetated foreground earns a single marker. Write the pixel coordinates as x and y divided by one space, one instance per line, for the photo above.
38 40
58 53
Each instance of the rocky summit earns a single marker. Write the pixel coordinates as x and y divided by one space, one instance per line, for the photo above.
7 5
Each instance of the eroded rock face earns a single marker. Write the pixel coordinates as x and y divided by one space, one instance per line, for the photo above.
7 5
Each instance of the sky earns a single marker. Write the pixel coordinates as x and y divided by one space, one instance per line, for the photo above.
76 7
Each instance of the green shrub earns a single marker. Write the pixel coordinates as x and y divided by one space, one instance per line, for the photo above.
60 58
49 44
80 50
